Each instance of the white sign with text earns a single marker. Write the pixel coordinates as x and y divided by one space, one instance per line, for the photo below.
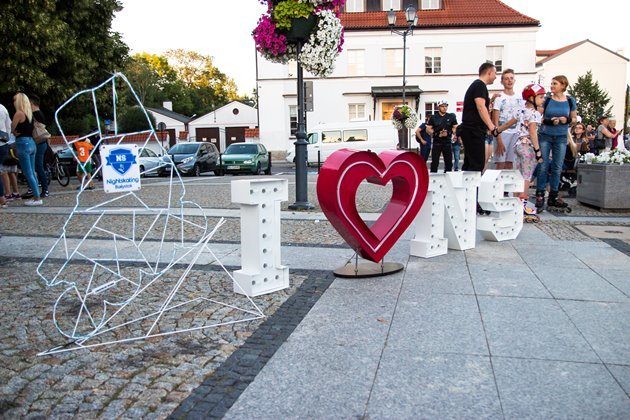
121 171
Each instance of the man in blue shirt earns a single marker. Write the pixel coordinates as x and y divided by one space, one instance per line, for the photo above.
424 139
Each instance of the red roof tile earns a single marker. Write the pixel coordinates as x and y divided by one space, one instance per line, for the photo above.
252 132
455 13
135 138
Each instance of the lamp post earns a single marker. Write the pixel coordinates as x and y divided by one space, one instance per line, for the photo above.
301 177
412 19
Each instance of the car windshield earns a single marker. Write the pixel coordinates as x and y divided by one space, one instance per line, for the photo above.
241 149
183 149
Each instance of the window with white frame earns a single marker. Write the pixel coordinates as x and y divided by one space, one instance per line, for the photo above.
430 4
430 108
356 112
391 4
355 6
293 119
393 61
433 60
292 68
356 62
494 56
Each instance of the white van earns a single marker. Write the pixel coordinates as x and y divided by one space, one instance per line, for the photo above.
376 136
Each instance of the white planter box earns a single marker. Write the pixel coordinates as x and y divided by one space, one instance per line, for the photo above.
604 185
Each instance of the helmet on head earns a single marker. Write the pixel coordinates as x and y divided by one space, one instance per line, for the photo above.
533 89
442 102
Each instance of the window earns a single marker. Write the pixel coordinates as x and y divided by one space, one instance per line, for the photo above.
393 61
331 136
292 68
391 4
433 60
356 62
430 5
355 6
355 135
313 138
495 56
262 149
356 112
150 153
293 119
430 108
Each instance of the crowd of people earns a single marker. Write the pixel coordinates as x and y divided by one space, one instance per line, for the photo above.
529 131
23 145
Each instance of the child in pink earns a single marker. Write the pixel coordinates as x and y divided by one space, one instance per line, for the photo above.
526 149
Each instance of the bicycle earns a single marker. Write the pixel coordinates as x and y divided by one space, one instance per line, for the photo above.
57 171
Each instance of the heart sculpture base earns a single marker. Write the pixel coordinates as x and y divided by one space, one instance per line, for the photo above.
368 269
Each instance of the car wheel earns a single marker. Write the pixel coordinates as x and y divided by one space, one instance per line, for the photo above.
258 170
218 172
196 171
142 170
268 169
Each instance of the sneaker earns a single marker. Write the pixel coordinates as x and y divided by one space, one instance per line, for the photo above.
16 196
44 194
8 197
32 203
27 196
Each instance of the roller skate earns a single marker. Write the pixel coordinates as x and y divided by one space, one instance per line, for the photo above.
540 201
556 204
529 213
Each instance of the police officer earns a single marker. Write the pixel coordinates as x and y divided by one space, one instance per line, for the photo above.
441 127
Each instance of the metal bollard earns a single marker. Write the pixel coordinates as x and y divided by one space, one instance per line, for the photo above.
269 165
319 160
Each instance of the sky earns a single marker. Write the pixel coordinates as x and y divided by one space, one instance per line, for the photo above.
222 29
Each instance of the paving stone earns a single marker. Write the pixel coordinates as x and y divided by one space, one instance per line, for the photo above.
433 386
580 284
605 326
514 280
622 374
618 278
551 389
532 328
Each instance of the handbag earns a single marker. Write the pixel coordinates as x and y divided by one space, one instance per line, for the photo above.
4 137
600 143
40 134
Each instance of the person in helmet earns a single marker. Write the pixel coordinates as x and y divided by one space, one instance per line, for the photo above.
526 149
441 127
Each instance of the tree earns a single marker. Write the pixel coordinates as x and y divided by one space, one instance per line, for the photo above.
208 87
54 48
592 101
132 119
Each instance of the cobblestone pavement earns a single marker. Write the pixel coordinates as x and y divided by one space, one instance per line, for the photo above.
147 379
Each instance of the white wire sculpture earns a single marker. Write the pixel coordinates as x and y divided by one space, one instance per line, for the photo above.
116 302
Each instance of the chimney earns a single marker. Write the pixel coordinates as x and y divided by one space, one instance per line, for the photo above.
168 105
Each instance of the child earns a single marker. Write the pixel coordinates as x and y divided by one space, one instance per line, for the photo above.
84 166
526 149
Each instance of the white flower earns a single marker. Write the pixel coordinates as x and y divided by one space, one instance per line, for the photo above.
322 48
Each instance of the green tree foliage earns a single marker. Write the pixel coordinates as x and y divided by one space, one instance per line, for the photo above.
592 101
133 119
188 79
54 48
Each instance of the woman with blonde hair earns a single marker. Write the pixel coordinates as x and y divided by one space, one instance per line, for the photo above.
22 128
559 110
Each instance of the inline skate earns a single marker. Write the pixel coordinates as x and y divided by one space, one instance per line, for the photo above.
556 205
540 201
530 215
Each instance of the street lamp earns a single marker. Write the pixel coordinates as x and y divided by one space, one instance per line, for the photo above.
412 19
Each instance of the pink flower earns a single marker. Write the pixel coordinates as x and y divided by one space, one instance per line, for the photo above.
267 40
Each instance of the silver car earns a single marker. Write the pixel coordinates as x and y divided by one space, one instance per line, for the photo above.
149 162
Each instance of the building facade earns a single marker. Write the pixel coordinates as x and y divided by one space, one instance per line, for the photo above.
176 124
225 125
452 38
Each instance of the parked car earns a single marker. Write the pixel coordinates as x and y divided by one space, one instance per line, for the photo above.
149 162
376 136
251 158
191 159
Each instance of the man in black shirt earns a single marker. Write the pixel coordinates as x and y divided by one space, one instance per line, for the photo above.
441 127
476 119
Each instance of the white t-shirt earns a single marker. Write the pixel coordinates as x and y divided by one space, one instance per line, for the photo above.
5 120
525 118
508 107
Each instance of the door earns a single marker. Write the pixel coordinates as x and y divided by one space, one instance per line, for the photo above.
234 135
172 139
208 134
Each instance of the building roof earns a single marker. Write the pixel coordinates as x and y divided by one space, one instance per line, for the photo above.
252 132
454 13
551 54
221 107
170 114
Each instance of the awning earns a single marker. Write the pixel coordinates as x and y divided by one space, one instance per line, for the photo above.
395 91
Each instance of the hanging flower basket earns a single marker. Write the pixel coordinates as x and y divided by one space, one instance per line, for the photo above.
315 23
404 117
301 28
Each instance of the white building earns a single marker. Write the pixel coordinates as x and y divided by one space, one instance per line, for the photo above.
443 56
609 69
225 125
176 124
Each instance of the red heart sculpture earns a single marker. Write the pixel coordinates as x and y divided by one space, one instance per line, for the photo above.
337 186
